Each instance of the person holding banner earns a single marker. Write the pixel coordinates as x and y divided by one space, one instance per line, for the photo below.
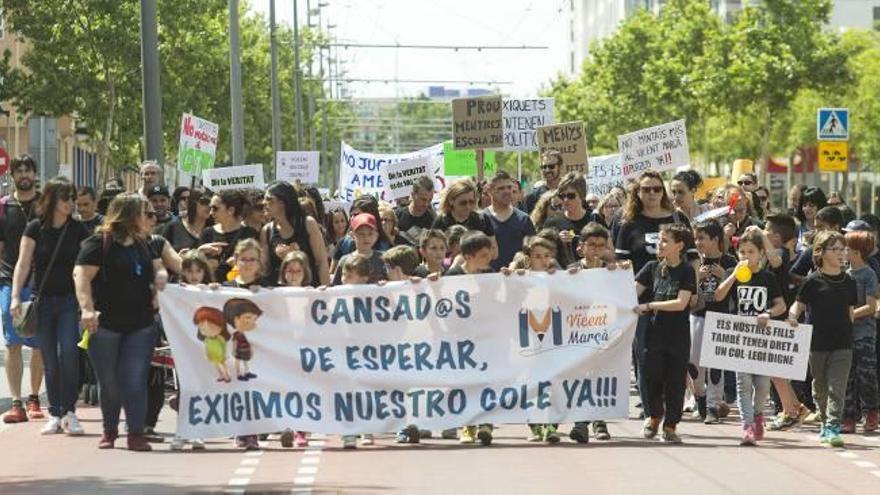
366 234
218 241
831 296
669 284
752 290
292 230
124 333
363 204
571 192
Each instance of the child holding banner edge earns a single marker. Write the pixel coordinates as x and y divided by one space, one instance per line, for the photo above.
752 290
667 338
831 295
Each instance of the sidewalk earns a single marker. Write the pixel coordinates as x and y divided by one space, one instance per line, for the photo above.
5 399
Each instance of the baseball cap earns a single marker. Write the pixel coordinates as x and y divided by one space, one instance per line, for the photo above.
159 190
858 226
363 219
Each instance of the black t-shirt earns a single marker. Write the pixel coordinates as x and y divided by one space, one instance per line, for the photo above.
637 239
231 239
161 224
179 237
803 265
668 328
561 223
302 240
14 216
477 220
828 299
708 285
92 224
782 276
60 279
755 296
122 289
411 227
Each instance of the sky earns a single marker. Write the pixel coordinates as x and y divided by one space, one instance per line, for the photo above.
447 22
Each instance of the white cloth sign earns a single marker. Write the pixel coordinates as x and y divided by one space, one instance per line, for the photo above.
299 166
736 343
521 118
399 177
370 359
658 148
604 173
243 176
361 172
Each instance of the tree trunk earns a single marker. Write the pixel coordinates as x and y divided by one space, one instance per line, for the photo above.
104 165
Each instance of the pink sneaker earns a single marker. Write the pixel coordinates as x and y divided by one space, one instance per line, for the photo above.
748 438
300 439
759 427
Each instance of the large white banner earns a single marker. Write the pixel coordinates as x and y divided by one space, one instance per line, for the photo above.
737 343
368 359
521 119
361 172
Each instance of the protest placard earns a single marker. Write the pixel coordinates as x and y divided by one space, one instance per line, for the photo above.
570 140
399 177
605 173
242 176
371 359
737 343
521 121
659 148
477 123
299 166
361 172
463 163
198 144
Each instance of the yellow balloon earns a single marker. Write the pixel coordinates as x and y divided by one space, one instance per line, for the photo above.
84 342
743 274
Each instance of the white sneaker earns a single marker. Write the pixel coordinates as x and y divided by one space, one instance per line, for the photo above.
349 442
367 439
52 426
70 424
198 444
177 443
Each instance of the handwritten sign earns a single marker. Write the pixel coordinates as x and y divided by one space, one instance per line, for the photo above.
477 123
570 140
198 144
736 343
400 176
243 176
299 166
521 121
604 174
658 148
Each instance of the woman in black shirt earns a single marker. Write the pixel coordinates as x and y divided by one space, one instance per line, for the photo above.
185 233
459 207
58 332
219 240
118 261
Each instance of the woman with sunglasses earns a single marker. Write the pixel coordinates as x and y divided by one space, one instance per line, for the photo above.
459 207
184 234
551 166
575 216
810 202
54 230
218 241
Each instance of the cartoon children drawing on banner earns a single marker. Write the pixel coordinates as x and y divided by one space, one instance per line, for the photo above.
241 314
211 325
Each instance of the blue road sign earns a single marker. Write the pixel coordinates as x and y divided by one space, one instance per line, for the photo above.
832 124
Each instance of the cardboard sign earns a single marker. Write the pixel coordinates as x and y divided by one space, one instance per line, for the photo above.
521 121
399 177
299 166
604 174
570 140
833 156
658 148
198 144
243 176
477 123
736 343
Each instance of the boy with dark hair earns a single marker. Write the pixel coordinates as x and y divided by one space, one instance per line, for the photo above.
828 218
400 262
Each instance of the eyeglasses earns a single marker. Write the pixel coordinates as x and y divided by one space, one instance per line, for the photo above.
548 167
567 196
651 189
247 260
594 245
745 182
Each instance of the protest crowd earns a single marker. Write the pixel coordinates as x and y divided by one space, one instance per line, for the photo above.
80 269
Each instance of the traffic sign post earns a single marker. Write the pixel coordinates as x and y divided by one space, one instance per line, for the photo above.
832 124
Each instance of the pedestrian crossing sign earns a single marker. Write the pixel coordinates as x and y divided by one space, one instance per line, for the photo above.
832 124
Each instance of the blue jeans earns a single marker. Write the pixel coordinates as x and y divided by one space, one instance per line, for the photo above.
58 333
9 334
122 363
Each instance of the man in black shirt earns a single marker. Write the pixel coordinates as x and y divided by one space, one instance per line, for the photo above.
417 216
551 168
160 198
15 212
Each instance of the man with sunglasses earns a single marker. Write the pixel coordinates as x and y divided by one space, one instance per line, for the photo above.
551 169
